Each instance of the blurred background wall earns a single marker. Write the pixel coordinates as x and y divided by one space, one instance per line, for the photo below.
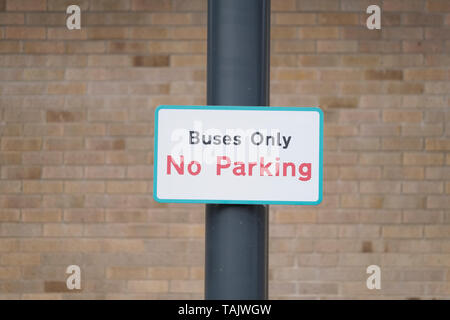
76 127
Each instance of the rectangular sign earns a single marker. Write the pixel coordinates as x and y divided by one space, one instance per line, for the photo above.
242 155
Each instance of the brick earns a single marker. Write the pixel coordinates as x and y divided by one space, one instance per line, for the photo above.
10 158
126 273
402 231
437 144
151 61
21 172
117 19
183 231
9 273
383 75
10 46
182 47
436 231
421 130
405 88
78 47
359 143
84 157
319 33
195 286
333 75
10 186
105 172
44 47
301 46
438 202
187 61
380 187
25 33
338 19
318 60
352 88
84 187
295 74
422 217
125 158
41 215
66 34
356 33
425 74
361 60
393 46
151 5
194 33
11 18
340 130
172 18
42 187
64 116
337 46
404 201
140 172
108 115
339 102
380 130
406 173
21 144
148 286
62 230
146 32
121 215
402 144
84 215
10 130
83 129
200 5
61 5
356 173
402 33
25 5
20 259
426 159
425 19
105 144
403 5
106 33
363 201
295 18
283 32
291 216
58 172
422 46
126 187
43 74
402 116
422 187
63 201
437 6
67 89
110 5
320 5
63 144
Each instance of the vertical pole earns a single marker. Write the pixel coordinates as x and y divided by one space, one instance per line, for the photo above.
236 264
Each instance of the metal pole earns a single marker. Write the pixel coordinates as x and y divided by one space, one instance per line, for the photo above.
236 264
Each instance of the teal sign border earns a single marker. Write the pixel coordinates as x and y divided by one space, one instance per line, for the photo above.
155 155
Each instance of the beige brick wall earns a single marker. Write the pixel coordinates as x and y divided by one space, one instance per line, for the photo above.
76 157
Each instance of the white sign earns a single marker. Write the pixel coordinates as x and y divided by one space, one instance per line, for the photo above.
243 155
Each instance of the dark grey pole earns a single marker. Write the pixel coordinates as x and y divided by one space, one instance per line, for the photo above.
236 265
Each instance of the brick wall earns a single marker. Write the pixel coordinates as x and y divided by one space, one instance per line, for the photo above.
76 121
